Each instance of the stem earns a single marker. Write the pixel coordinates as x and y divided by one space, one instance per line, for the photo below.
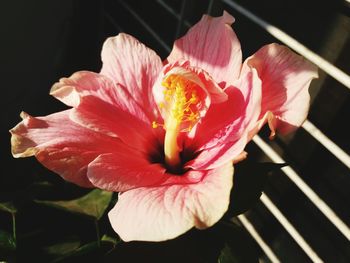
97 228
14 228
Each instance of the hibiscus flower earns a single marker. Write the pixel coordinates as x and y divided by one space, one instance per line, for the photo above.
165 135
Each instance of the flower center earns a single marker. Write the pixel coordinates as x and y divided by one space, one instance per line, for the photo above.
181 106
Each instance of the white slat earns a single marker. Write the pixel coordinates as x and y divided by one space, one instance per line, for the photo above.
252 231
327 143
173 12
296 179
290 229
146 26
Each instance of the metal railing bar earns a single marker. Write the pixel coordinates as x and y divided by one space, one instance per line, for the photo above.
181 19
252 231
113 22
326 66
173 12
296 179
210 7
339 153
145 25
290 228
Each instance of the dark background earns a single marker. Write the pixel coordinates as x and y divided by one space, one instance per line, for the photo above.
42 41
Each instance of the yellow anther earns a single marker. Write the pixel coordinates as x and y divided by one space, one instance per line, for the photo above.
193 116
180 94
154 125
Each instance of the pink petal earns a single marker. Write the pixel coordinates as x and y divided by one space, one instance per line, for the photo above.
165 212
211 45
84 83
242 156
285 77
125 170
134 66
222 153
61 145
223 133
69 162
268 118
121 172
100 116
220 119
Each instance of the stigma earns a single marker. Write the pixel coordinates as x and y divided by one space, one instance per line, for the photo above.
180 106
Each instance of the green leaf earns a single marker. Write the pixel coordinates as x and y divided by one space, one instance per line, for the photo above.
193 246
93 204
249 182
239 246
6 241
63 248
80 251
8 207
86 248
91 252
226 255
109 239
